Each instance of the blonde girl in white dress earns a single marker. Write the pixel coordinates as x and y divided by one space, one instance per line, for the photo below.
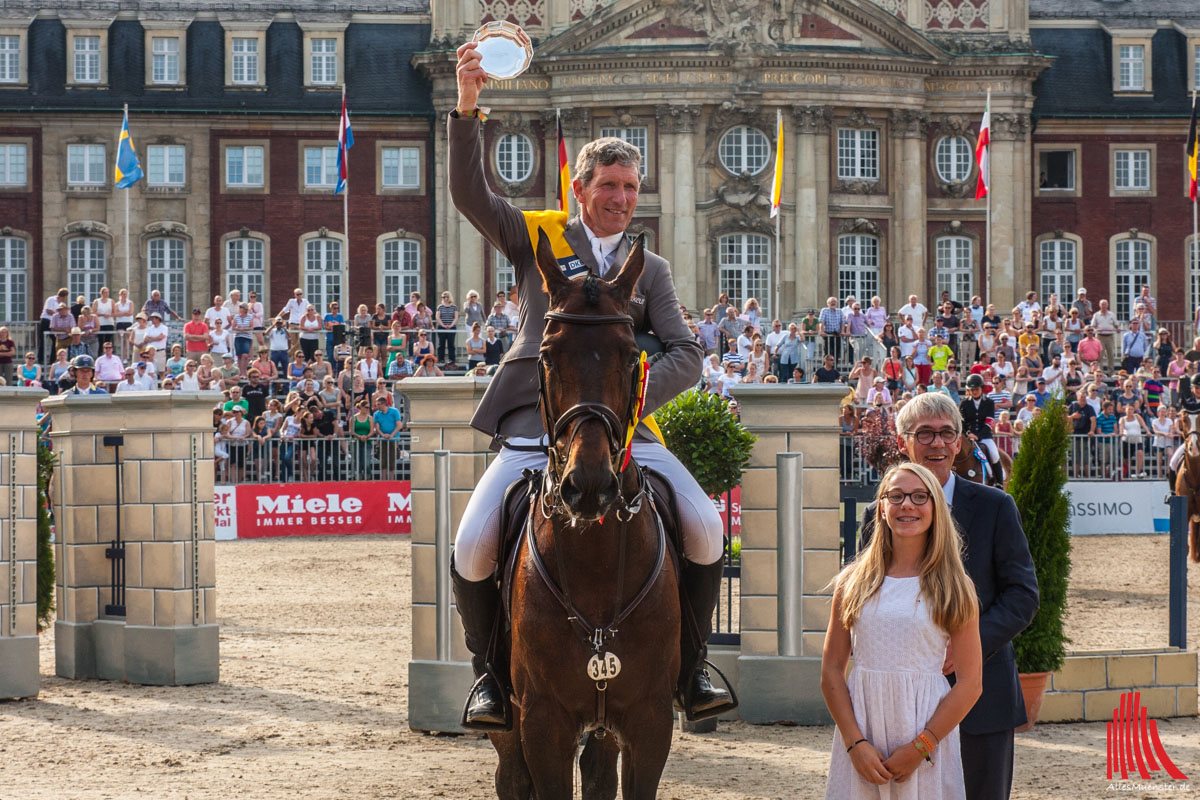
895 610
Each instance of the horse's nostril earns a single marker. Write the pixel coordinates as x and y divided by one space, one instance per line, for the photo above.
570 492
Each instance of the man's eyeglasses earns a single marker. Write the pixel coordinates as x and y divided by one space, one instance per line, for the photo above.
919 498
927 435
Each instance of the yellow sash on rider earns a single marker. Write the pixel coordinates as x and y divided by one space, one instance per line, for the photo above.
554 223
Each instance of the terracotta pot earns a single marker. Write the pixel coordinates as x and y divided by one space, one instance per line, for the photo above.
1033 687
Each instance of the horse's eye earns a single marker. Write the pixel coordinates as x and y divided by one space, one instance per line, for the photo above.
545 359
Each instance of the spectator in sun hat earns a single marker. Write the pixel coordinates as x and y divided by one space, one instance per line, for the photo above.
157 338
1083 305
143 378
75 344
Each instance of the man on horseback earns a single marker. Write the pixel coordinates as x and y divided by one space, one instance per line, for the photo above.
606 185
979 417
1189 420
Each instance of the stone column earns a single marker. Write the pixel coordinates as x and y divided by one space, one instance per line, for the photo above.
440 411
18 542
908 273
165 632
1010 175
803 419
812 123
665 161
680 123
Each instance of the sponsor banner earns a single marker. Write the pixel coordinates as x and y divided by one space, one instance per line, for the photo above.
250 511
735 501
1114 507
225 512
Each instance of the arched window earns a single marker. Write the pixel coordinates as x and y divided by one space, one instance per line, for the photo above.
953 158
87 262
1057 262
504 275
166 265
514 157
246 268
744 149
858 266
1132 272
323 272
401 271
954 267
745 272
1193 251
14 279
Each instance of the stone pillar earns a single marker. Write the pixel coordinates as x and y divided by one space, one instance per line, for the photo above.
665 161
166 633
798 419
680 123
18 542
812 123
909 272
1011 276
440 413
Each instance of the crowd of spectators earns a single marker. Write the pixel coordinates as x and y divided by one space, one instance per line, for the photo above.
1120 377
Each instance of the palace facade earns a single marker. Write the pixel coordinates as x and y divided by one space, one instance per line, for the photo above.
234 111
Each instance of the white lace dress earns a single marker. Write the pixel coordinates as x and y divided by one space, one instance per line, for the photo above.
895 686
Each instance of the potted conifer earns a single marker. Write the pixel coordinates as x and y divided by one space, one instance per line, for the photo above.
707 438
1038 478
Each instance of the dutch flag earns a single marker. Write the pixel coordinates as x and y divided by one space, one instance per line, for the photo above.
345 142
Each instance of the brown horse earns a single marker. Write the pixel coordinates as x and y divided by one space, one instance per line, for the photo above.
1187 483
970 467
594 603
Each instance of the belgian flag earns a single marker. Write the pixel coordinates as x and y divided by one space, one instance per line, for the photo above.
564 170
1192 146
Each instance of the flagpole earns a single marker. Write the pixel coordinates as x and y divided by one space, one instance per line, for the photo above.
127 286
346 232
1194 261
987 251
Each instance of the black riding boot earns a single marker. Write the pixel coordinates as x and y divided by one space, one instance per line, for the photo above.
998 475
699 590
479 607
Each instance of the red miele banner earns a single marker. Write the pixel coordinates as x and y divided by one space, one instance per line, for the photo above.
736 501
250 511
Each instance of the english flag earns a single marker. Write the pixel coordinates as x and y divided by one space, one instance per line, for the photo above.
981 151
345 142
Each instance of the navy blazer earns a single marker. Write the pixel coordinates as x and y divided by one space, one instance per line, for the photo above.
998 561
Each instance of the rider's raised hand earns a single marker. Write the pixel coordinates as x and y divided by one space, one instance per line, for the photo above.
471 77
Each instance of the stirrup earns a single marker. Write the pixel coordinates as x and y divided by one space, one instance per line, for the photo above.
505 706
683 707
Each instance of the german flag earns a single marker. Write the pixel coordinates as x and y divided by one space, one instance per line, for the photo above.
564 171
1192 146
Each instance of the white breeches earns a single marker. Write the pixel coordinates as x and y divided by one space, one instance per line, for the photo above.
990 446
1177 456
477 540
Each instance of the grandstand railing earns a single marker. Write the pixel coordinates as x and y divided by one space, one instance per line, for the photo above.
1104 457
299 460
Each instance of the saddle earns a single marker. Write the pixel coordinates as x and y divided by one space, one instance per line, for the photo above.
515 513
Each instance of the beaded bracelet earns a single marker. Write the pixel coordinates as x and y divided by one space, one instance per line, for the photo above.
856 744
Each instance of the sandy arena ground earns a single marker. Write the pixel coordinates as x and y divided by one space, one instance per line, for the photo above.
311 703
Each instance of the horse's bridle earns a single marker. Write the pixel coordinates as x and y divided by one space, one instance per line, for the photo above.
568 423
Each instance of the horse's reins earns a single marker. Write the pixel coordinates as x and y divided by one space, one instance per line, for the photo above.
568 424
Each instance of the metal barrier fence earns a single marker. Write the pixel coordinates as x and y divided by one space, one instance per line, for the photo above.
1098 458
301 460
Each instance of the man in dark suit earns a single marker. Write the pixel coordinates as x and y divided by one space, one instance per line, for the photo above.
606 186
997 559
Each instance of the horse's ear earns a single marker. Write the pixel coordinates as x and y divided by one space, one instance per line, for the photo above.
553 279
631 270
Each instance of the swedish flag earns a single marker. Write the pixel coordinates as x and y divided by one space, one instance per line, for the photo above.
128 169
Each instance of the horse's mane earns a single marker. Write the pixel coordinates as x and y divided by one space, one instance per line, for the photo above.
591 289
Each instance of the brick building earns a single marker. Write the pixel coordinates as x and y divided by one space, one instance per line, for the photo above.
234 111
1110 206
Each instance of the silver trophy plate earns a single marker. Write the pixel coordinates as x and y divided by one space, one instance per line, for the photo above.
506 49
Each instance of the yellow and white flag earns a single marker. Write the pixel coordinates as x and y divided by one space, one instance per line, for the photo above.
777 183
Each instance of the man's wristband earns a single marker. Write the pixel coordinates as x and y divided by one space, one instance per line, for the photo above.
479 113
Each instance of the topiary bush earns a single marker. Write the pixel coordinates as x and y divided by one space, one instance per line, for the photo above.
1038 477
45 551
711 442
